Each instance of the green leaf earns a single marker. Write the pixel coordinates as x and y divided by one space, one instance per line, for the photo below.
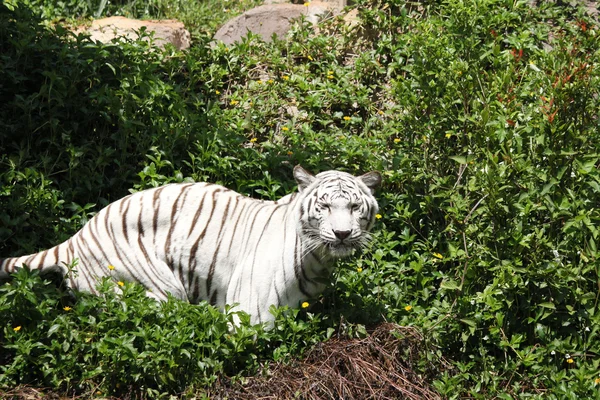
450 284
53 329
547 305
460 159
469 322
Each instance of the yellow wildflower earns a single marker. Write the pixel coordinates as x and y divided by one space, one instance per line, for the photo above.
285 128
233 102
347 118
259 82
570 361
289 153
359 269
217 92
408 307
67 308
596 381
380 112
120 283
448 135
111 267
285 77
396 140
438 255
17 328
305 304
253 140
310 58
378 216
307 4
270 81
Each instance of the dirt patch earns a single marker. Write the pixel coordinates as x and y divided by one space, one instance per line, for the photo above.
380 366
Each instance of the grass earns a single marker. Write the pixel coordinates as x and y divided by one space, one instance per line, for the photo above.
482 116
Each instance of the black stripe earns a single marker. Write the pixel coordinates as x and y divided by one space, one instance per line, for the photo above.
193 259
44 255
211 270
156 212
236 223
196 291
213 298
124 214
247 242
156 208
197 214
29 259
83 258
235 226
70 259
252 210
277 294
56 255
140 226
168 259
260 238
124 259
96 226
149 260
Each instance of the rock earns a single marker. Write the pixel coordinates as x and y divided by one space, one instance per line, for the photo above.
270 19
339 4
352 18
165 31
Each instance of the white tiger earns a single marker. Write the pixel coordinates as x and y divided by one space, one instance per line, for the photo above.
201 241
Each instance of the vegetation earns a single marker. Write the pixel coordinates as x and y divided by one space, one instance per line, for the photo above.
483 117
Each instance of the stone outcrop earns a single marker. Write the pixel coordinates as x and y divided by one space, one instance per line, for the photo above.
165 31
272 19
339 4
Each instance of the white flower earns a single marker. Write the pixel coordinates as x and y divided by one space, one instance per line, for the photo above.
552 352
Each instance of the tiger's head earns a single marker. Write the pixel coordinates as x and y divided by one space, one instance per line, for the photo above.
337 210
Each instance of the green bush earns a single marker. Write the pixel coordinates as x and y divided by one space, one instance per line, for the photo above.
124 342
483 117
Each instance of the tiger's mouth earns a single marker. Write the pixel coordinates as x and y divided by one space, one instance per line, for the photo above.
341 249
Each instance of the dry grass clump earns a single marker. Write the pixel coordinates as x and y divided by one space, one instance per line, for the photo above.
379 366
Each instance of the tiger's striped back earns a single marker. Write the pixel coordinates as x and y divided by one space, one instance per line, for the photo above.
200 241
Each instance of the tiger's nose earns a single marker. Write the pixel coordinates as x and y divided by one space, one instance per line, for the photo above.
341 234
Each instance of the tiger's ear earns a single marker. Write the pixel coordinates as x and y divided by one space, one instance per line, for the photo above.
303 177
372 180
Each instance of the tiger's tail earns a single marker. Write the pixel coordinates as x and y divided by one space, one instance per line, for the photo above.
56 259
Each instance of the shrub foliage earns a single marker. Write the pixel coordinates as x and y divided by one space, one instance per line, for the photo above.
483 117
